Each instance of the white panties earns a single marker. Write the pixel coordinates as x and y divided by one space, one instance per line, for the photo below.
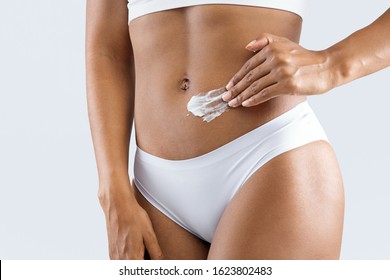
194 192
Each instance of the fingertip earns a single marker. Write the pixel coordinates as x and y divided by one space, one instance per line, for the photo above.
251 44
229 85
258 43
251 49
246 103
233 103
226 96
158 255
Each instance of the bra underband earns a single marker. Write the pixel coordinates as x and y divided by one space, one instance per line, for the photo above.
139 8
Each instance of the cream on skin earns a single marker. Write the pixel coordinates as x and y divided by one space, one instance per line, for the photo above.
208 105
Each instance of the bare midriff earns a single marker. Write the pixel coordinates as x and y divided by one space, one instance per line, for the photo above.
182 52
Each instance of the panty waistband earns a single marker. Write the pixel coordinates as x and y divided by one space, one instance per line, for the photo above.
258 134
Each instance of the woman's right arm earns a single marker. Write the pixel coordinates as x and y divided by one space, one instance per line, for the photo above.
110 97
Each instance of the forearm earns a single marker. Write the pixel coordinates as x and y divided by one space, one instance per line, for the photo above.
110 96
362 53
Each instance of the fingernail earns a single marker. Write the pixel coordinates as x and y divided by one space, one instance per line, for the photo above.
226 96
246 103
229 85
233 103
251 44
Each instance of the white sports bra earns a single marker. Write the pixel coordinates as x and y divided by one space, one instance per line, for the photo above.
139 8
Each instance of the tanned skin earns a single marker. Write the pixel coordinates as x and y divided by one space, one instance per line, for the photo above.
292 207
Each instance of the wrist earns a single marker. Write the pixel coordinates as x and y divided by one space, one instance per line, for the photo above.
116 202
341 66
115 190
110 174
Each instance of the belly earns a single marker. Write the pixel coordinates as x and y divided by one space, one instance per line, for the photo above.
182 52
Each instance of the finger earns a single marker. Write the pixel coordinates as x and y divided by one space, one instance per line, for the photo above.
262 41
112 249
260 71
257 44
250 64
264 95
152 246
256 87
114 254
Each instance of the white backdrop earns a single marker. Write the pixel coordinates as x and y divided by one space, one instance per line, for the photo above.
48 179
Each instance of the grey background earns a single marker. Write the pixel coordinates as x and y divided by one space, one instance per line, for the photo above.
48 179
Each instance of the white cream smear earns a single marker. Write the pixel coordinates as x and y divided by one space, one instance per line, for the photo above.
208 105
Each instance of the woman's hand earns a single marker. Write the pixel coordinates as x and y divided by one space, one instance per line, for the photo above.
279 67
129 228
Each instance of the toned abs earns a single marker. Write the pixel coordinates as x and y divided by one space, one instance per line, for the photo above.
182 52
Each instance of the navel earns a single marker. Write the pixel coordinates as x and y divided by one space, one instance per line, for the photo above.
185 84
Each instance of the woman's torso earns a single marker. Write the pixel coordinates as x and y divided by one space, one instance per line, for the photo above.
182 52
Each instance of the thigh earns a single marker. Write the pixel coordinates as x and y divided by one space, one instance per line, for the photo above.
176 243
291 208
